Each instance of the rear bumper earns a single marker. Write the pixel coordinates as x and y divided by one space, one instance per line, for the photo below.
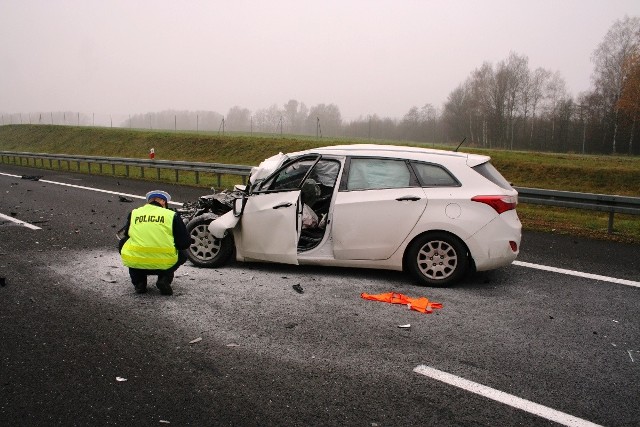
491 247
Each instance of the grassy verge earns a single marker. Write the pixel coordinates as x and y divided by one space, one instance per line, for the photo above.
583 173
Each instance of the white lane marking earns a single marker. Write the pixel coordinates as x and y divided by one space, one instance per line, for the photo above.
17 221
502 397
578 273
89 188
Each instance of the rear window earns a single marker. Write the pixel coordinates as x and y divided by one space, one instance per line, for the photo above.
491 173
434 176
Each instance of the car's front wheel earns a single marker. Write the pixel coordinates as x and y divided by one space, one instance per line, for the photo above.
437 259
206 250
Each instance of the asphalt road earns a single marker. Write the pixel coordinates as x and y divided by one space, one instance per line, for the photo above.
71 325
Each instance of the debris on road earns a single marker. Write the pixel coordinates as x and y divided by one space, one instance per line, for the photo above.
407 326
124 199
109 278
3 281
233 345
298 288
195 340
120 379
421 304
32 177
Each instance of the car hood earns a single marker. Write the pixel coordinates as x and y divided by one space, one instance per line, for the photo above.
266 167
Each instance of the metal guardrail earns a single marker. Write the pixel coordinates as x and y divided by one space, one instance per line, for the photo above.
598 202
568 199
218 169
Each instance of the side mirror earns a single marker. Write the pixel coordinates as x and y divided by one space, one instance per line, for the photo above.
238 206
239 187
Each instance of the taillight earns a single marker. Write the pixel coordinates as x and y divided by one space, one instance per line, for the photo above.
499 203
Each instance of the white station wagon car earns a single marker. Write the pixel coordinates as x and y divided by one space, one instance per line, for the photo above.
435 214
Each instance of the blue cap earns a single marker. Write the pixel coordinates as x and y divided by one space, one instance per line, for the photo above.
160 194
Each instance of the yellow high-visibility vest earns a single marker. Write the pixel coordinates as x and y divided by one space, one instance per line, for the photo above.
150 245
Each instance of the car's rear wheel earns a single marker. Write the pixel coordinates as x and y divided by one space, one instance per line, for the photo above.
206 250
437 259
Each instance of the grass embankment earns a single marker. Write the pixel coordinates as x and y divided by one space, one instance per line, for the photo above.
589 174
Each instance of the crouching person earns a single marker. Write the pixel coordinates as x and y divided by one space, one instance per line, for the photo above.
154 243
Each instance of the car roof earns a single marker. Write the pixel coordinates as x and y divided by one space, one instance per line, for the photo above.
414 153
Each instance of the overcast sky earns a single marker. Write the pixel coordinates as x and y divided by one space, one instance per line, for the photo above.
366 56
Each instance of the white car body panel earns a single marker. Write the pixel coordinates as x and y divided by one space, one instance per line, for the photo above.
268 228
365 224
220 226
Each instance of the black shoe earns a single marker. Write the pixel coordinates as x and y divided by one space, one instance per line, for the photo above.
141 287
164 284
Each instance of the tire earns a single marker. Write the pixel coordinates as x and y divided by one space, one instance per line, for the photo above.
437 259
206 250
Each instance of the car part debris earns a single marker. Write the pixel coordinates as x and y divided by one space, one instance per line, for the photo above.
421 304
124 199
298 288
195 340
3 281
407 326
32 177
120 379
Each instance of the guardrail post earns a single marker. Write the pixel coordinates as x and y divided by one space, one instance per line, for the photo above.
50 164
78 165
158 173
100 168
89 167
127 170
176 175
219 180
197 177
68 165
113 169
141 171
610 227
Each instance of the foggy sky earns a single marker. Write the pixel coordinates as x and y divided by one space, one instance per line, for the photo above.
366 56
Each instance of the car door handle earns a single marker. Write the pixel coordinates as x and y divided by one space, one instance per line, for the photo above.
408 198
282 205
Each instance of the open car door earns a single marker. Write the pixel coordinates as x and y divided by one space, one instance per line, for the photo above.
269 227
270 222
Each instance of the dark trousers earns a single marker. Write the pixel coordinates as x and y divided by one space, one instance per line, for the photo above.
139 275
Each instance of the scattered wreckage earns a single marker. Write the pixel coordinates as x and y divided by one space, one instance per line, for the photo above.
436 214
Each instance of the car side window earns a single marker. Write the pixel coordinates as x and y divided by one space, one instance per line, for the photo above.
290 177
431 175
370 174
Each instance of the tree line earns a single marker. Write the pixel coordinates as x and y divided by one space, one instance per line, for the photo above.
506 105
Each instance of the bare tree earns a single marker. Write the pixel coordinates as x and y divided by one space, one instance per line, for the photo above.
238 119
517 73
620 43
629 102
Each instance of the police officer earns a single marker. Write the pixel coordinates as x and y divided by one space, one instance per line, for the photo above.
154 243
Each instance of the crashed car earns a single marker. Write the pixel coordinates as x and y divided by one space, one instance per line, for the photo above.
433 213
